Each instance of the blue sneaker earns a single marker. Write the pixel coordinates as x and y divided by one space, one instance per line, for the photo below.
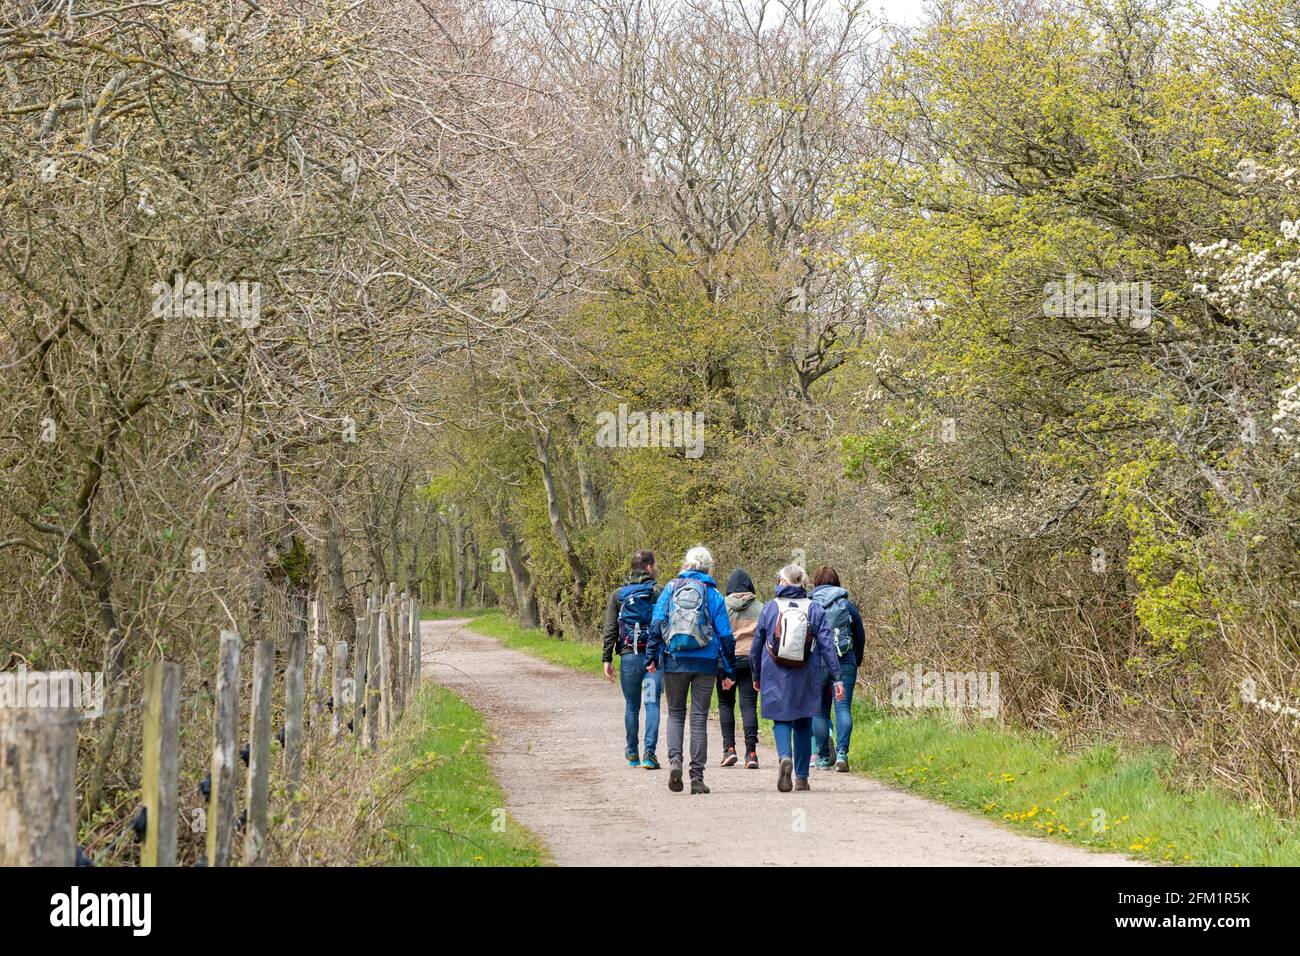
651 762
633 760
824 764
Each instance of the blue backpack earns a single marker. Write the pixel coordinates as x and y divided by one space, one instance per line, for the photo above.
636 605
835 602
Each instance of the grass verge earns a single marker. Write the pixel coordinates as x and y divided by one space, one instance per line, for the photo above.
454 812
581 656
445 613
1100 797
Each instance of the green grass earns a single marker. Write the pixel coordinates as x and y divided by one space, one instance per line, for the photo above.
1100 797
454 811
445 613
576 654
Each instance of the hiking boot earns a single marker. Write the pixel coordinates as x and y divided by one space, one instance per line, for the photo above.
633 759
675 775
783 775
751 761
801 783
824 763
697 786
651 762
842 763
729 757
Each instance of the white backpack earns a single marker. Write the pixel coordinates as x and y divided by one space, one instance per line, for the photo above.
791 633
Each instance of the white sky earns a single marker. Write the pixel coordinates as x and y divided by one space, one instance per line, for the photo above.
902 12
908 12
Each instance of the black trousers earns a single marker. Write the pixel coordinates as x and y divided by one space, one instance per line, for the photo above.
744 688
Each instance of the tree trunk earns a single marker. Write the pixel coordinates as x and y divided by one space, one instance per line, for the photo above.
592 503
458 546
444 580
557 519
471 550
345 613
520 579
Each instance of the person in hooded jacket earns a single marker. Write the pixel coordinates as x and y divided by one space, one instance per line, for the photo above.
828 592
743 608
790 692
627 630
691 630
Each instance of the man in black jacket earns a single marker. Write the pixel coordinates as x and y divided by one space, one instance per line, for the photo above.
627 623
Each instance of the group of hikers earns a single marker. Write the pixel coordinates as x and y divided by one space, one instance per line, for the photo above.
799 653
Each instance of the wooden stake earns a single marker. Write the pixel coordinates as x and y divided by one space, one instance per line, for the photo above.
293 709
259 758
38 764
374 703
341 700
160 766
221 799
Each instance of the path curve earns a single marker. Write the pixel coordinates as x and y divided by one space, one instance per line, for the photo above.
558 757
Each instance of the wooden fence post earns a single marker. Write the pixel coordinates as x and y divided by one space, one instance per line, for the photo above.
393 674
259 758
319 663
404 647
373 680
336 690
417 645
360 661
385 681
221 797
160 766
294 677
38 768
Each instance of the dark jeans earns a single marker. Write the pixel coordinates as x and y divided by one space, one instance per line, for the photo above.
640 688
700 687
794 739
823 741
748 707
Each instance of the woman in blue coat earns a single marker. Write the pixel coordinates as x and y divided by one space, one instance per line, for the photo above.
791 695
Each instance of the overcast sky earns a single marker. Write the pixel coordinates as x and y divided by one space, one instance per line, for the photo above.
899 11
909 11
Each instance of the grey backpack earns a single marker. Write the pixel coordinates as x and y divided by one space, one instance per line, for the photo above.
689 625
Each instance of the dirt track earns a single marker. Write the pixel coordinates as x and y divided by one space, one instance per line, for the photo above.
559 759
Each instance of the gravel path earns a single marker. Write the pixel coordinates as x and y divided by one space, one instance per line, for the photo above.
559 759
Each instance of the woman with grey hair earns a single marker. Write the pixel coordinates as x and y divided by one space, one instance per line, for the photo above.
691 629
791 629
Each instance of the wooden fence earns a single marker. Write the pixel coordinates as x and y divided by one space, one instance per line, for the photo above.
38 744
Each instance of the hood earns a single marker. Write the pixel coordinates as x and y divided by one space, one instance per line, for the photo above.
638 577
739 600
827 593
791 591
698 576
740 582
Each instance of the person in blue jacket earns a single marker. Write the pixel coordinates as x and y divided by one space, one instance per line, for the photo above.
850 644
690 628
790 694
